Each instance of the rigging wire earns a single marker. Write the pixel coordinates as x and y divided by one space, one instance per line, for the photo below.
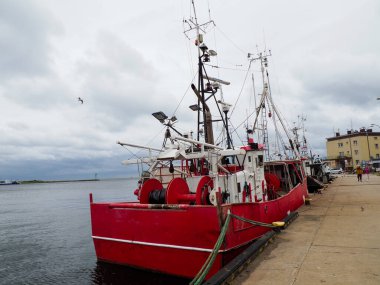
223 132
135 154
241 90
231 41
187 89
235 130
278 87
226 68
189 54
209 12
253 94
249 116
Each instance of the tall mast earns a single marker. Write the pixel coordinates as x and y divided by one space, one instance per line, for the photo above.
264 102
200 79
267 98
203 88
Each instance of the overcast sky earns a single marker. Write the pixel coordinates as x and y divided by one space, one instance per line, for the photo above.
127 59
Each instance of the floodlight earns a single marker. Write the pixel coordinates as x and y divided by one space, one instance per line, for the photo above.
203 47
160 116
216 80
215 85
225 106
194 107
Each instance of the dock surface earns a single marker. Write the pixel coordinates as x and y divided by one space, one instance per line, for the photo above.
335 240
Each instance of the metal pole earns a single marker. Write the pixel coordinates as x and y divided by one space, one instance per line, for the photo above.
369 150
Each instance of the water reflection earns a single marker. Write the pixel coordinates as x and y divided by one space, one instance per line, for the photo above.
105 273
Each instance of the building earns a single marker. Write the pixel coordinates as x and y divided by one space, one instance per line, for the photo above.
354 148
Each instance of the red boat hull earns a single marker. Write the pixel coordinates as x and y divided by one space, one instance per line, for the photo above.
178 240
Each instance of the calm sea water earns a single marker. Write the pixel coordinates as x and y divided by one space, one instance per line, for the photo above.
45 235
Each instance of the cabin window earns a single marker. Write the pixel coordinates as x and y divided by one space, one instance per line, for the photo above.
261 160
226 160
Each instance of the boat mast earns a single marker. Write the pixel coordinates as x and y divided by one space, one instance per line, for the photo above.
267 97
302 147
207 86
202 89
200 79
263 101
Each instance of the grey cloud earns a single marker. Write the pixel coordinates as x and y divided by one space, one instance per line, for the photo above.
134 67
17 126
38 93
119 83
356 89
25 29
124 58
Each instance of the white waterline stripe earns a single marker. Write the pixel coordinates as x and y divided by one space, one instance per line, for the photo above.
156 244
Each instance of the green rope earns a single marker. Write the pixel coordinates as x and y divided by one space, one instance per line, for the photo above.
253 222
198 279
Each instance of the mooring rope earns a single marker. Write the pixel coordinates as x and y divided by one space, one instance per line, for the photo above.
256 223
198 279
201 275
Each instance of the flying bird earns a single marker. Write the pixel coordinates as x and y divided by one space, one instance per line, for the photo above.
80 100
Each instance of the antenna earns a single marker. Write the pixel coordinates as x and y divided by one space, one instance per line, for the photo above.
194 25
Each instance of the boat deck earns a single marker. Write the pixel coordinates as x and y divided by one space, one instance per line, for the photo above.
335 240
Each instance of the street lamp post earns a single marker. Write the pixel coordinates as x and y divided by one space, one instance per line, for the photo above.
369 150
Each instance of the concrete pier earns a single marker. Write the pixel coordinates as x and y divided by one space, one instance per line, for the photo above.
335 240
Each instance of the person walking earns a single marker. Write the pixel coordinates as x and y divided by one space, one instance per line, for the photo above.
359 173
366 171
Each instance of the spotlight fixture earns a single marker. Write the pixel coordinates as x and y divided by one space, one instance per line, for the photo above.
160 116
195 107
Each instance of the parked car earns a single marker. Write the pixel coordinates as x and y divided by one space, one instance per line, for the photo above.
376 166
336 171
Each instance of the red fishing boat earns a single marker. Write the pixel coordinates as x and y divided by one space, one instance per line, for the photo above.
198 201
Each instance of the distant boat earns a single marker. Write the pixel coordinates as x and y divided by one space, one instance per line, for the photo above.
8 182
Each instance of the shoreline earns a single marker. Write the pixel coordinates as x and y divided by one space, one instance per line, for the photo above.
36 181
54 181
